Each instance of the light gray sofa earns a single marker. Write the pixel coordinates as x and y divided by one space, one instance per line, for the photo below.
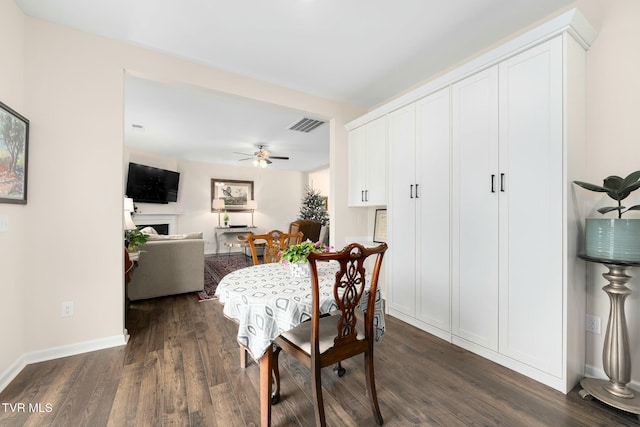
168 265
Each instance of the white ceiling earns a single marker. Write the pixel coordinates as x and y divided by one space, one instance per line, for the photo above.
359 52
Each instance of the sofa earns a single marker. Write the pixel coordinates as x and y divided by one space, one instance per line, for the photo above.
168 265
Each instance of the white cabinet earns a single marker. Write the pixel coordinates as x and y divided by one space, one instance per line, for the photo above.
419 211
483 229
367 154
532 162
475 206
510 224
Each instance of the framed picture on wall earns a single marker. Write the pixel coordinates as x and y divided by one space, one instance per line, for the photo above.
380 226
235 193
14 146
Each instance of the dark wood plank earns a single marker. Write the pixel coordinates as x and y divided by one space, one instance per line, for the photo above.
181 367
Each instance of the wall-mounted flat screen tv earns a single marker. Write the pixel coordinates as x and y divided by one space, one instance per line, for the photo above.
146 184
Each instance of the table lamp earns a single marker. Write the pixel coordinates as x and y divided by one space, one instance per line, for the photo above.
217 205
128 208
253 205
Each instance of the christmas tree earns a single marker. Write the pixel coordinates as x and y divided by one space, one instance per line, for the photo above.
314 206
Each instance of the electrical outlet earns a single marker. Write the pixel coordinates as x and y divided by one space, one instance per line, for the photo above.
592 324
67 309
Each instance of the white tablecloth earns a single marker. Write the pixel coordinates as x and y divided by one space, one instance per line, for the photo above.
266 300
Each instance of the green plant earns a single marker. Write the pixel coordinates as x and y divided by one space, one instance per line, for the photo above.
299 252
226 217
135 239
618 189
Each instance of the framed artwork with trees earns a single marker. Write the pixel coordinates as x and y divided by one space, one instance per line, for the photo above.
14 146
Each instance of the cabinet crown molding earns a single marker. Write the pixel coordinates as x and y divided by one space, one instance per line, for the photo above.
571 22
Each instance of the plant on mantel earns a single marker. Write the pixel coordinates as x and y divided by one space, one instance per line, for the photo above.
614 238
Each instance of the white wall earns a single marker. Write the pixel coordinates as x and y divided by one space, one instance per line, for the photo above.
70 85
613 146
277 193
13 246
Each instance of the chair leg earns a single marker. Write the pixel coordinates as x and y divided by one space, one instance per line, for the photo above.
371 386
243 357
317 395
275 396
339 370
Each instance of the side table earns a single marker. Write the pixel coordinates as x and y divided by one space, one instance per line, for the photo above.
616 357
220 231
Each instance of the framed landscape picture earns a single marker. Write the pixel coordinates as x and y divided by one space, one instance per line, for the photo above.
14 146
235 193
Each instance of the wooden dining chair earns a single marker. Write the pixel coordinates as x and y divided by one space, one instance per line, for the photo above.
327 340
276 240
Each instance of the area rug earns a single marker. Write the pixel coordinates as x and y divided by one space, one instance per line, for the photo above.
215 268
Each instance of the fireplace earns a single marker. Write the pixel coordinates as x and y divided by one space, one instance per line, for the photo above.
160 228
163 223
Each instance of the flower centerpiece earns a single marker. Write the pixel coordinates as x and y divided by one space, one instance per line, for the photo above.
296 256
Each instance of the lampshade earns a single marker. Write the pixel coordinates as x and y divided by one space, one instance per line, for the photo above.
217 204
128 208
252 204
128 204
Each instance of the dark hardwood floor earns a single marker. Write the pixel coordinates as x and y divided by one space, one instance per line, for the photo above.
181 367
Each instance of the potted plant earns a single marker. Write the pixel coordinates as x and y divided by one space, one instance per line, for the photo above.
614 238
295 256
226 219
135 239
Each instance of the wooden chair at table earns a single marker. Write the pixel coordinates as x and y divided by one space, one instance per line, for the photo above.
327 340
275 240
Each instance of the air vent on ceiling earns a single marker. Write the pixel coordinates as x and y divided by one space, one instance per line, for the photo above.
306 125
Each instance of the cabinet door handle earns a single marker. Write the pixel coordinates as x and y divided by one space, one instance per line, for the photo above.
417 195
366 195
502 182
411 191
362 196
493 187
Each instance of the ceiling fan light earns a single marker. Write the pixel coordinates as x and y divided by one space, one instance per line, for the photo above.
255 162
263 163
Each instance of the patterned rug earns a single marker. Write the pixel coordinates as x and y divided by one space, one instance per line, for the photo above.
215 268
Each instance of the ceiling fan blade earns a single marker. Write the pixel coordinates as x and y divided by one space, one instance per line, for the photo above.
248 158
268 161
243 154
279 157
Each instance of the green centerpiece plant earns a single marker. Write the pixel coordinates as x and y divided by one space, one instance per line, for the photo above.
135 239
299 253
295 256
614 238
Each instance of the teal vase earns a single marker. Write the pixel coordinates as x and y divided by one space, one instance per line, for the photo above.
613 238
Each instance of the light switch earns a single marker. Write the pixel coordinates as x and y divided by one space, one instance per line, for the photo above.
4 223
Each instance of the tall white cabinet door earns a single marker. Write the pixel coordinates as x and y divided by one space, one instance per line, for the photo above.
357 166
376 155
402 212
531 207
432 209
475 206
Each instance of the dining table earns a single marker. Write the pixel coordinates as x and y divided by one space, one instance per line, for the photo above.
266 300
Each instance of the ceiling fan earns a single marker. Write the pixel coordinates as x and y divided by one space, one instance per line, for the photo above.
262 157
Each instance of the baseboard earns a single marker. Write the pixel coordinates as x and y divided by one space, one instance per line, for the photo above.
57 352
